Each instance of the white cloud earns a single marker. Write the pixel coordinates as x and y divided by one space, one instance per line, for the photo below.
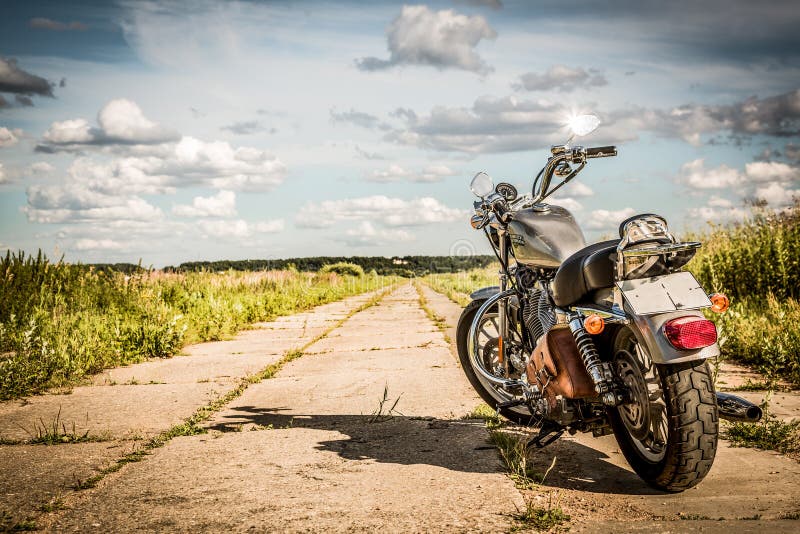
771 171
719 202
777 195
97 244
239 228
40 168
396 173
566 202
695 174
711 213
561 78
608 220
384 210
120 122
3 177
366 235
441 39
223 204
59 204
9 137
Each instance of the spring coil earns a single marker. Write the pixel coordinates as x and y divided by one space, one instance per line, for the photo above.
588 352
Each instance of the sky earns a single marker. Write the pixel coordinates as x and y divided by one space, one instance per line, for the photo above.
181 131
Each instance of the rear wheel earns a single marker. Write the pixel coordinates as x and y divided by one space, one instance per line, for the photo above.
487 342
669 432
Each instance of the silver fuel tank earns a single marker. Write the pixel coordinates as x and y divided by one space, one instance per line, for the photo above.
544 237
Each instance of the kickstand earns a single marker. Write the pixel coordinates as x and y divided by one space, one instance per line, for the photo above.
547 435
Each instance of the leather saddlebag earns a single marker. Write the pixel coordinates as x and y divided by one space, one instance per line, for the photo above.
557 367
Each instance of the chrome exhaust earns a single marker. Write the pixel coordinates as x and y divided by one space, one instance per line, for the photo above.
737 409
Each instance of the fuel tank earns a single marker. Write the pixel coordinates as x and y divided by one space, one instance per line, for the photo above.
544 237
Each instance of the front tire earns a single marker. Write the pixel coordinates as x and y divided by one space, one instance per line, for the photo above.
490 395
669 433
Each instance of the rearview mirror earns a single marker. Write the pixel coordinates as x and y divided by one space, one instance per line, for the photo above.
482 185
583 124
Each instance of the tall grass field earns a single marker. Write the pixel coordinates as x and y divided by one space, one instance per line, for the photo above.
60 322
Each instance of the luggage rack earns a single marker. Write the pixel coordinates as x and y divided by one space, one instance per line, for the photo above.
648 236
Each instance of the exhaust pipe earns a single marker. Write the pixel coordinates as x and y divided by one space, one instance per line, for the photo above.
737 409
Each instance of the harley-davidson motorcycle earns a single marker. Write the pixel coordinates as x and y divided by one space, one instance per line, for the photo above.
601 338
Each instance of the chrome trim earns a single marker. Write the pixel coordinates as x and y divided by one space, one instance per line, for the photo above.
737 409
609 316
472 343
661 249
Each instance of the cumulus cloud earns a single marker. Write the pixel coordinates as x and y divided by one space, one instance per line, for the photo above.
40 168
608 220
20 82
441 39
223 204
396 173
97 244
367 235
9 137
239 228
77 204
695 174
41 23
561 78
3 177
119 122
387 211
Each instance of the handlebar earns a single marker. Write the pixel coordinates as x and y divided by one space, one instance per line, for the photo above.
601 152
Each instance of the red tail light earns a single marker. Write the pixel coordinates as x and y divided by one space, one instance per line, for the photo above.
686 333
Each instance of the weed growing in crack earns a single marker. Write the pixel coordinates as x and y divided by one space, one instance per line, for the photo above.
514 453
381 414
57 432
540 518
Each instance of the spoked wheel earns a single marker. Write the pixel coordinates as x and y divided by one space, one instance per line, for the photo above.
668 433
488 334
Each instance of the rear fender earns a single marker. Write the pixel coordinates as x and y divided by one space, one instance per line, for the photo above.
649 331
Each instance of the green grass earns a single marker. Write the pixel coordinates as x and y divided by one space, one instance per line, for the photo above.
458 286
540 518
60 322
769 433
757 264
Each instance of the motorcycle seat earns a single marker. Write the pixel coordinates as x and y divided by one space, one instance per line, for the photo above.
587 270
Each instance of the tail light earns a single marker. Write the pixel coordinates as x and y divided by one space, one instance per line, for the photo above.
692 332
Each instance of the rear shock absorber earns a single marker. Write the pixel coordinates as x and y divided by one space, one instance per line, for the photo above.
599 371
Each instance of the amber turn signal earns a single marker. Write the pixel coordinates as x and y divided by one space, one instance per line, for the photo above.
594 324
719 303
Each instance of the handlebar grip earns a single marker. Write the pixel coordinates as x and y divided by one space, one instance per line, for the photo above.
601 152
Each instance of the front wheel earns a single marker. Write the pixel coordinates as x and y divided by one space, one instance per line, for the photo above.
491 394
669 432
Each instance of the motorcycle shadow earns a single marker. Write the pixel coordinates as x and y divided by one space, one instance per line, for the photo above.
454 444
583 468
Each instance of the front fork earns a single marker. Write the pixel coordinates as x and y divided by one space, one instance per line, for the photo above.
502 305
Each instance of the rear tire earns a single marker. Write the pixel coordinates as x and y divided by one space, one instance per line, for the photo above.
687 412
521 417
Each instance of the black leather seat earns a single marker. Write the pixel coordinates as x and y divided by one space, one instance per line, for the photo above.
585 271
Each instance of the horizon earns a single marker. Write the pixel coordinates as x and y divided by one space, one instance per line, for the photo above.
173 132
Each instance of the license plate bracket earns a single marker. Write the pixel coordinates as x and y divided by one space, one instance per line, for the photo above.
666 293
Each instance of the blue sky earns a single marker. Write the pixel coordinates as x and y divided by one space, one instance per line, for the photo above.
179 131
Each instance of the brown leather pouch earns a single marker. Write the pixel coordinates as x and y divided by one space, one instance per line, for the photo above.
557 365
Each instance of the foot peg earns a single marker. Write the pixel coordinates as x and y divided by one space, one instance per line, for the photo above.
547 435
510 404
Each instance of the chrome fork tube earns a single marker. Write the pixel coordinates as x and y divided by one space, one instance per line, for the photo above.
474 349
502 306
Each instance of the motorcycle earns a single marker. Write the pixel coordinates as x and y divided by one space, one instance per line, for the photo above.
602 338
